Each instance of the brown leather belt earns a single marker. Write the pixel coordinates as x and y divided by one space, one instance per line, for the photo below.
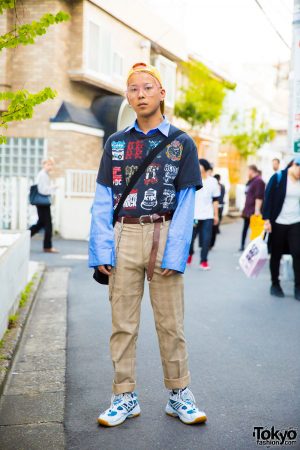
151 218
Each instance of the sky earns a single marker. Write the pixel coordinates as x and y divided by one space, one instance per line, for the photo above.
228 32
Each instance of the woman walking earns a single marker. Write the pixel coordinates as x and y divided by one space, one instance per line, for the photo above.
281 212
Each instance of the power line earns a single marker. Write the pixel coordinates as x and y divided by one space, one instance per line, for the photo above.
272 25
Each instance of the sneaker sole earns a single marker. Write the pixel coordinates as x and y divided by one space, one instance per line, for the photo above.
107 424
200 419
204 268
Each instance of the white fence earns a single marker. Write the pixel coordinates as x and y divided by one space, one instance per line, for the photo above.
14 212
80 183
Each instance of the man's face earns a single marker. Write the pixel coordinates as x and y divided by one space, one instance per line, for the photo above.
251 174
144 94
275 164
296 171
48 166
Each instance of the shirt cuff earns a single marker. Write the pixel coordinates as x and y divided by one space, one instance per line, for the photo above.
103 256
176 254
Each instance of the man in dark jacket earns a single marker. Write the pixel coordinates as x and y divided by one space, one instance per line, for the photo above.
255 190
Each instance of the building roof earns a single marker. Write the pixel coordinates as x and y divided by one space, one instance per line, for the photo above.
75 114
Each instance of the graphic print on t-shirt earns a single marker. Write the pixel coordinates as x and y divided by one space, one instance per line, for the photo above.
117 176
151 173
150 199
168 197
131 200
170 174
129 171
117 149
134 150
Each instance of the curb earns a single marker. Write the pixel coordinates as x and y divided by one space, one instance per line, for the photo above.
13 336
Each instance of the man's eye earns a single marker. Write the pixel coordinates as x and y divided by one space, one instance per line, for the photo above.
133 89
148 88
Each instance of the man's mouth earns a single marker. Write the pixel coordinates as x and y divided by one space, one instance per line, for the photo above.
142 104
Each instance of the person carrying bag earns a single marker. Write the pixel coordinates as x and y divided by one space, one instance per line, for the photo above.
142 222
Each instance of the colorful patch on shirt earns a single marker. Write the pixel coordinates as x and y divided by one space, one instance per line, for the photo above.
174 151
116 198
170 173
168 197
134 150
131 200
117 176
151 146
129 171
151 174
150 199
117 149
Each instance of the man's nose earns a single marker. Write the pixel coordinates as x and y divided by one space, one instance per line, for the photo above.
141 93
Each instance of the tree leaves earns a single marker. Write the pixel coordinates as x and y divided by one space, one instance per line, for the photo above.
203 97
21 104
26 34
248 134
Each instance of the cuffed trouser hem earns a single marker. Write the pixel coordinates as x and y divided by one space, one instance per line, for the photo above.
177 383
123 387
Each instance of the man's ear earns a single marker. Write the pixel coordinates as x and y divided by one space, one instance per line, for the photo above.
163 93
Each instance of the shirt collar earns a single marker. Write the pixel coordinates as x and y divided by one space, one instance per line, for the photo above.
163 127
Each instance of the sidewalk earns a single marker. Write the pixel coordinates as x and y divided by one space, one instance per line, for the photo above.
32 406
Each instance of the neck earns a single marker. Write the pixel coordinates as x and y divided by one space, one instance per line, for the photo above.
148 123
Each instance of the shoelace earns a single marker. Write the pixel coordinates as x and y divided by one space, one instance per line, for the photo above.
117 399
186 395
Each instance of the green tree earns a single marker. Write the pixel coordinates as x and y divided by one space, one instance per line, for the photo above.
21 103
203 97
248 134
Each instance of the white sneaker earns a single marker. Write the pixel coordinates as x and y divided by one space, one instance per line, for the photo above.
122 407
183 405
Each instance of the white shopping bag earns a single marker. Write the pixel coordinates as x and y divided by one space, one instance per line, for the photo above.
254 257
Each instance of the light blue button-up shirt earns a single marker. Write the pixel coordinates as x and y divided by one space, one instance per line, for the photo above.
101 243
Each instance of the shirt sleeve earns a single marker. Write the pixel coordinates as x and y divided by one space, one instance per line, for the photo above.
105 170
44 184
216 191
180 232
101 242
259 190
189 170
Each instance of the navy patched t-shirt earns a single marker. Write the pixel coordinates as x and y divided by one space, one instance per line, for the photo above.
175 167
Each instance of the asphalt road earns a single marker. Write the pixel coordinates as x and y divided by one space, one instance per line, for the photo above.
243 347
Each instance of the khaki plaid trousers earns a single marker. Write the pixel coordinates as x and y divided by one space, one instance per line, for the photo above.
126 288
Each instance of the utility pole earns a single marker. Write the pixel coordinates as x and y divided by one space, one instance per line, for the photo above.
294 113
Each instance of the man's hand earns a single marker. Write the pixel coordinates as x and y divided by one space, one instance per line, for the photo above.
105 269
268 226
216 220
168 272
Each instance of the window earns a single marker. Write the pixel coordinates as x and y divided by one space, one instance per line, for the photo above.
117 65
21 157
167 70
99 49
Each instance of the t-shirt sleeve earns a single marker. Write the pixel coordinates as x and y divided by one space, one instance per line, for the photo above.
105 170
216 191
189 171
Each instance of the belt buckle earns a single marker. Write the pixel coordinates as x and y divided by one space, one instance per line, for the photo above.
141 218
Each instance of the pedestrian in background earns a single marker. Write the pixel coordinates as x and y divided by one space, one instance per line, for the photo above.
281 212
206 214
255 190
45 187
152 236
276 164
216 228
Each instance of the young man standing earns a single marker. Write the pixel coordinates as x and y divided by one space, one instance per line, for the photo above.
152 236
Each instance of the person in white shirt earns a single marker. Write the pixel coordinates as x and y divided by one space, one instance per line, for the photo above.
206 213
45 187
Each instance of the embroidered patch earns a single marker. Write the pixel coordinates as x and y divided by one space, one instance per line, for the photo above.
150 199
174 151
